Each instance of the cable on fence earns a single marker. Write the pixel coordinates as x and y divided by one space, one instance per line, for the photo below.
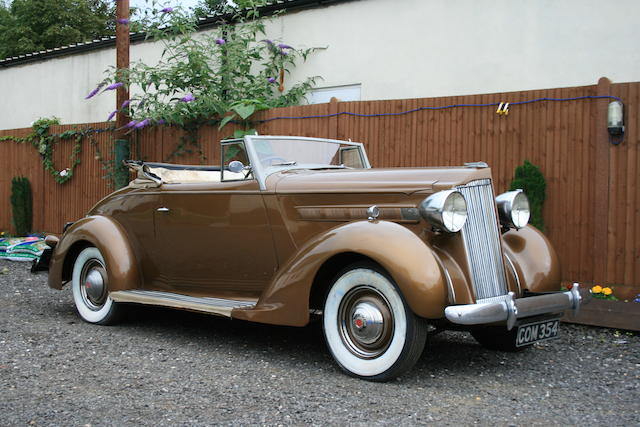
414 110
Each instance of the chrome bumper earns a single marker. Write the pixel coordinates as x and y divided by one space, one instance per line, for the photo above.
511 309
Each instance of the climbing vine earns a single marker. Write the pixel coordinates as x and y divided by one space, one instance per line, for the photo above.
44 142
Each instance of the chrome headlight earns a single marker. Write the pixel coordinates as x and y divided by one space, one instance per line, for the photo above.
514 210
445 210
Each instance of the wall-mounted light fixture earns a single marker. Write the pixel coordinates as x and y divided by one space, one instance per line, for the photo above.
615 121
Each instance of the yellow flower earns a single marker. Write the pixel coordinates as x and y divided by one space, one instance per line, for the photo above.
607 291
596 289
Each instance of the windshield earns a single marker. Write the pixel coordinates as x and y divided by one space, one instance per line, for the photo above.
288 153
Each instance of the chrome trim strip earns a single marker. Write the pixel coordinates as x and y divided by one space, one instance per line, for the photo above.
515 273
452 292
511 309
481 238
219 306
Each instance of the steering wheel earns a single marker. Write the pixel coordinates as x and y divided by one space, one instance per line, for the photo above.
270 159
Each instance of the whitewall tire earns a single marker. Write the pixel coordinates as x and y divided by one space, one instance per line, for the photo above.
90 285
369 328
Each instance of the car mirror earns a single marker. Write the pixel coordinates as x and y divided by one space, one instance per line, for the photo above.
236 166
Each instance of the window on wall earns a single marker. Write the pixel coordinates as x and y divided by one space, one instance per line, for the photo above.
343 93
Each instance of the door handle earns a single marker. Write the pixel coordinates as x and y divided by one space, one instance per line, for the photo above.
163 209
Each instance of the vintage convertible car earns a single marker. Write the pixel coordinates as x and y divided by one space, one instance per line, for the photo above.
289 228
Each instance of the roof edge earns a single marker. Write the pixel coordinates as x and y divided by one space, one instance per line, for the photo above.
211 21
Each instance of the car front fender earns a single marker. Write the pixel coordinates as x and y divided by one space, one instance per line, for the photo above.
409 261
111 240
534 259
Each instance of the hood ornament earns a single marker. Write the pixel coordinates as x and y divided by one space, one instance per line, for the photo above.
373 212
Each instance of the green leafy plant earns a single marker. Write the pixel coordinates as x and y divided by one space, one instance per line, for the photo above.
208 78
529 178
605 293
28 26
21 205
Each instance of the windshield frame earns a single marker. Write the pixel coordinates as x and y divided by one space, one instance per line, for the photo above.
261 173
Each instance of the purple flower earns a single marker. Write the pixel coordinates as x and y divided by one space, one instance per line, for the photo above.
94 92
187 98
141 124
167 10
113 113
125 104
267 41
271 79
114 86
220 41
161 121
122 21
284 46
131 124
284 53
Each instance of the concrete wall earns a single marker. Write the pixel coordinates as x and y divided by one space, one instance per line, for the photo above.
393 49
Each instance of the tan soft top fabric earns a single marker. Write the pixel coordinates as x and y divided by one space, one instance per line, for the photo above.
177 176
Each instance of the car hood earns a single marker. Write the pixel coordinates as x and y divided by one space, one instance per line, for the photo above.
392 180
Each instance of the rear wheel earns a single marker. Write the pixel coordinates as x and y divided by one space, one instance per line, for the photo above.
90 285
369 328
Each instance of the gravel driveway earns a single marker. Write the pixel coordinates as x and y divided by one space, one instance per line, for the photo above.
169 367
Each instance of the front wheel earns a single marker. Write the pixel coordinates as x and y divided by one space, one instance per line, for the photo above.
91 290
369 328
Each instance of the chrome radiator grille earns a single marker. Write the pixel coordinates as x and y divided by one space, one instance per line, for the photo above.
482 240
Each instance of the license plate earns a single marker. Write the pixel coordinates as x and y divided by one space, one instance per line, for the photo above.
536 332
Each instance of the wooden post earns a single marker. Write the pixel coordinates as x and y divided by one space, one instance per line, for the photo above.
601 190
333 121
122 146
122 60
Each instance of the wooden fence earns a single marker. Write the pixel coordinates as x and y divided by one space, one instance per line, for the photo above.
592 212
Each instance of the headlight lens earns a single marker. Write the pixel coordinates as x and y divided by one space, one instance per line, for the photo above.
445 210
513 207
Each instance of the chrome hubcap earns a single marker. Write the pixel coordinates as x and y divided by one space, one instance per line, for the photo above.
368 323
93 284
365 322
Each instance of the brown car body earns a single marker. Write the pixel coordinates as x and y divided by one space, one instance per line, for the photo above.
277 242
233 240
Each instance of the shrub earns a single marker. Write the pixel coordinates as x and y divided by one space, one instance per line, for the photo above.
21 205
529 178
208 77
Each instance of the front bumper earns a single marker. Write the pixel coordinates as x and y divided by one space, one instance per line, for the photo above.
509 309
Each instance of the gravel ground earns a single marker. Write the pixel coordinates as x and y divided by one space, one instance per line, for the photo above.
169 367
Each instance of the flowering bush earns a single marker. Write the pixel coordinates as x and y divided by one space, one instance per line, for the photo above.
224 75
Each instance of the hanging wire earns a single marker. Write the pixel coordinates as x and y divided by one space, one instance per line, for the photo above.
444 107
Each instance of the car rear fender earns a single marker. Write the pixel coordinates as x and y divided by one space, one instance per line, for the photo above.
399 251
111 240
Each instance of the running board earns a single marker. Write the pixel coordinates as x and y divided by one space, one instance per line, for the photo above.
220 306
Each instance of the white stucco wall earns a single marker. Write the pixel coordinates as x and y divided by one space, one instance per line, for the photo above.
424 48
57 87
392 48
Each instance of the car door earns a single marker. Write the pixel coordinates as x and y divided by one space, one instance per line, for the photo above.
216 239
